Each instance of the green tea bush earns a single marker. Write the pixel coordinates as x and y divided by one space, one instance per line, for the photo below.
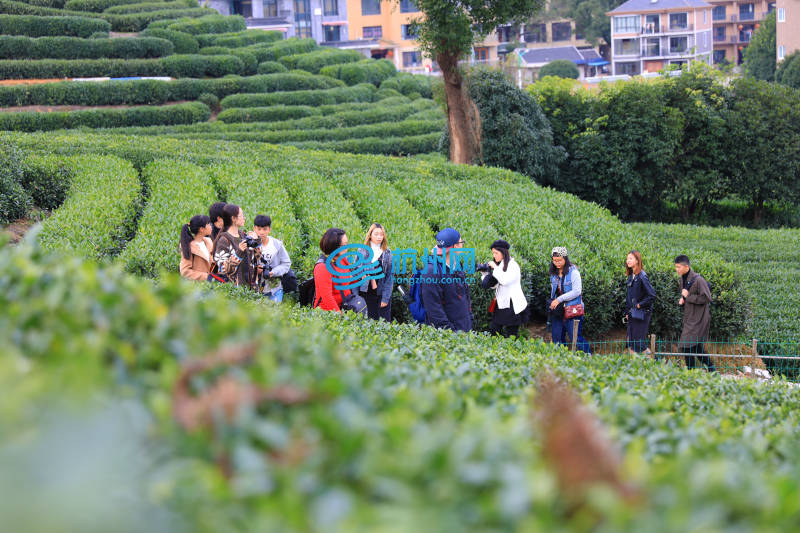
406 84
314 61
46 179
336 95
149 6
34 26
138 21
178 191
239 39
183 42
249 61
213 23
99 214
19 47
278 49
185 113
177 66
15 201
96 5
270 67
366 71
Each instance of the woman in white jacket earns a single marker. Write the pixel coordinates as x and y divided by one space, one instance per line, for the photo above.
509 307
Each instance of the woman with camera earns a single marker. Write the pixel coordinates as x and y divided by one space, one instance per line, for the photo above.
378 292
230 250
326 296
196 248
638 303
509 308
566 304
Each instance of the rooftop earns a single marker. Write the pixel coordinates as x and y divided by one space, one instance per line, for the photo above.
639 6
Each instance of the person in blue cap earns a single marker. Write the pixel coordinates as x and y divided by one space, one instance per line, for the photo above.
444 289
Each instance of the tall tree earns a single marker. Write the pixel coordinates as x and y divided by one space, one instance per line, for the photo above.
447 31
759 56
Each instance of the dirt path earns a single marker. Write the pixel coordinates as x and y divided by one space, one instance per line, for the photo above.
17 229
53 108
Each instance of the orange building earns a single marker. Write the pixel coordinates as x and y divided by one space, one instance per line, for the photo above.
735 22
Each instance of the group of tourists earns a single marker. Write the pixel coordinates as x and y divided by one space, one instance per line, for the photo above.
217 248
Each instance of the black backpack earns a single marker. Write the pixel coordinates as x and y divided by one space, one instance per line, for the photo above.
306 292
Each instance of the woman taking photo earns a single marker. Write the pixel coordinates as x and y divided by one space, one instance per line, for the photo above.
196 249
566 304
230 251
509 307
378 292
638 303
326 296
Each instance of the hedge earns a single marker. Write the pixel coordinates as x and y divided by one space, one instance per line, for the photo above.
248 60
274 51
99 214
15 201
177 66
144 7
239 39
287 112
418 144
34 26
186 113
359 93
406 84
133 92
20 47
215 23
47 179
366 71
271 67
96 5
314 61
183 42
13 7
140 21
47 3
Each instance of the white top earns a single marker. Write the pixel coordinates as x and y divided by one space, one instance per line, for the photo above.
269 250
509 287
377 251
204 252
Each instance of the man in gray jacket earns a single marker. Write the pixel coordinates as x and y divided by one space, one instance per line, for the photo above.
275 263
696 301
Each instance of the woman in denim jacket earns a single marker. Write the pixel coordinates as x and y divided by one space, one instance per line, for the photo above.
565 289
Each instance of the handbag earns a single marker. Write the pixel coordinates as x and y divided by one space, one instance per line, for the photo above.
573 311
492 305
558 312
637 314
354 303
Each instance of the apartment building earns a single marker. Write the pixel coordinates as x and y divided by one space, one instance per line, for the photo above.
787 27
735 22
649 35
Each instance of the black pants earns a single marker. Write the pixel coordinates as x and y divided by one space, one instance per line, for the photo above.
636 335
374 309
505 331
691 360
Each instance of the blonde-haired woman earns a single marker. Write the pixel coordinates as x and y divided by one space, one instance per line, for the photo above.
378 292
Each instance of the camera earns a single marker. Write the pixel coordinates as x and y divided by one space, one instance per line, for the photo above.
483 267
252 242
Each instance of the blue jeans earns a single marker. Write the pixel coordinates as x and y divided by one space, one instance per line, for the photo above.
563 328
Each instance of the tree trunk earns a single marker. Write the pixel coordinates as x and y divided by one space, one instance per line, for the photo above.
463 119
758 212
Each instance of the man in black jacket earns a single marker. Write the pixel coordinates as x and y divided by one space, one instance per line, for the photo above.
443 287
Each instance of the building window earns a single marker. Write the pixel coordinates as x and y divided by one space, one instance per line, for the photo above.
535 33
408 32
652 24
718 13
370 7
372 32
331 8
705 40
631 69
653 47
781 14
678 21
747 12
302 18
781 52
678 45
562 31
719 56
705 13
719 33
770 7
270 8
506 34
412 59
408 6
481 53
626 24
626 47
332 34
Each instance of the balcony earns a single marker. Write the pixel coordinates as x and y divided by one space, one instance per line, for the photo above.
748 17
651 29
720 38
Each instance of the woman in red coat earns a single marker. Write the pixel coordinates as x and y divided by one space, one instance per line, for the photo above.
326 296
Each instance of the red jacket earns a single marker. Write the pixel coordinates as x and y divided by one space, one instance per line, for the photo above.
325 296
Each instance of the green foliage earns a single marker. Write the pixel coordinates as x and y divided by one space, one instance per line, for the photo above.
314 61
35 26
149 6
177 66
238 39
210 100
271 67
366 71
185 113
788 72
560 68
96 5
313 97
406 84
15 201
590 18
138 21
760 54
99 215
19 47
514 132
178 191
183 42
46 179
249 61
210 24
276 50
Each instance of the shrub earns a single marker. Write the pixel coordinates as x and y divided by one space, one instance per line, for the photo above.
19 47
560 68
406 84
274 51
210 100
96 5
186 113
47 180
249 61
99 214
210 24
100 35
366 71
239 39
148 6
788 72
34 26
358 93
15 202
183 42
267 114
140 21
270 67
314 61
177 66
